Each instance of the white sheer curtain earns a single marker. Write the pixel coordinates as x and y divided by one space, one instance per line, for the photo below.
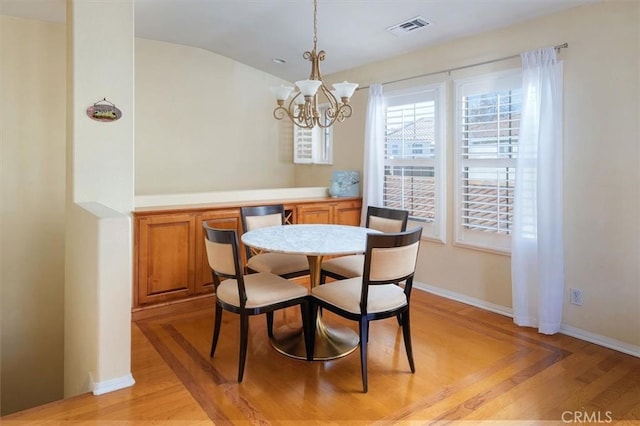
373 170
537 261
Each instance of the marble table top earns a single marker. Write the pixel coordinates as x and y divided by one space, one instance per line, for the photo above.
311 240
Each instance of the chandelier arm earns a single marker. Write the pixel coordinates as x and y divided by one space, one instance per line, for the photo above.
306 115
333 101
327 124
281 112
344 112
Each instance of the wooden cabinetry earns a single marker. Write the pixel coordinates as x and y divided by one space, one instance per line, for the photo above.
338 212
170 260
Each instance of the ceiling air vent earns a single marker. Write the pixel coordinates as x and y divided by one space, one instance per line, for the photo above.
409 26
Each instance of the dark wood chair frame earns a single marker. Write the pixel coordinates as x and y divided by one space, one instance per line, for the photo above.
264 211
384 212
363 318
229 236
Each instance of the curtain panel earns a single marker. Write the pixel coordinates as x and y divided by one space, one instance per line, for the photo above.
373 168
537 258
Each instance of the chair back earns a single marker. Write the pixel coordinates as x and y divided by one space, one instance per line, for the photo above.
390 259
386 220
256 217
224 258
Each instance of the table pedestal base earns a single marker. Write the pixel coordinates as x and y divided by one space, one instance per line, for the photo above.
331 342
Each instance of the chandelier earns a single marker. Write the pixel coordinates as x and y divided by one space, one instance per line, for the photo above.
313 103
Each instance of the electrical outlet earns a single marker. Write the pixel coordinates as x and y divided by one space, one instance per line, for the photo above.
576 296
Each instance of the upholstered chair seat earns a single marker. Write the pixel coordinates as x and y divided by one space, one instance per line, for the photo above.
344 266
262 289
279 264
283 264
345 294
379 218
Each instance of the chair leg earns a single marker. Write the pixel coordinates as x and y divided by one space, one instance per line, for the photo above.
244 337
323 277
306 329
364 331
399 316
216 329
270 324
312 321
406 333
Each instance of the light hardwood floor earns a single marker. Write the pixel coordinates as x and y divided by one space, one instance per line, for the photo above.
471 366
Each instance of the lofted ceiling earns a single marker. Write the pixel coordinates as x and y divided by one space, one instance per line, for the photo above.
352 32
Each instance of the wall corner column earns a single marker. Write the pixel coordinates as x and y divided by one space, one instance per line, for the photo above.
100 194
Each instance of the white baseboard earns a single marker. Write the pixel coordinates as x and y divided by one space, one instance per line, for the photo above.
598 339
568 330
111 385
478 303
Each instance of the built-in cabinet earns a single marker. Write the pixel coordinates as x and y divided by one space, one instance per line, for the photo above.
170 261
342 213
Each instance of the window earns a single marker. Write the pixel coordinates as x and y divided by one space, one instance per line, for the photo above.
414 158
313 146
487 131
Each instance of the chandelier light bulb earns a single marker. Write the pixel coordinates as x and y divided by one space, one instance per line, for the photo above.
345 89
282 92
308 87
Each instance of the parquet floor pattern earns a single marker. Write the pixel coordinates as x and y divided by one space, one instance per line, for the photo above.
472 367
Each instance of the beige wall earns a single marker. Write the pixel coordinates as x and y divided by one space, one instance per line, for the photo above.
204 123
32 134
601 163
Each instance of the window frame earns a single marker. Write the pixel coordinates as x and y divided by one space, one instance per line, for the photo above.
487 241
435 230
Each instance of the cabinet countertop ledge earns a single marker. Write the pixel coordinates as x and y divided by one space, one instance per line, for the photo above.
230 199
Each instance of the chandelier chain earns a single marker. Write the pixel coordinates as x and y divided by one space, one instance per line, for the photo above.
315 24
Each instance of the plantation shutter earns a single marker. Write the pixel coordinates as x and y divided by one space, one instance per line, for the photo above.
414 167
302 145
488 111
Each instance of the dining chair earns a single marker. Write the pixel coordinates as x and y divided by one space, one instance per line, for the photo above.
379 218
246 295
285 265
390 258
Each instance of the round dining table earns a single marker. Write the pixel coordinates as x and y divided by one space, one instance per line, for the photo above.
315 242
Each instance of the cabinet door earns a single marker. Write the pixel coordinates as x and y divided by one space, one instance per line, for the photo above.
314 213
221 219
165 258
348 213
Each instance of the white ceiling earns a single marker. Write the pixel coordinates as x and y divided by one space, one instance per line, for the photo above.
352 32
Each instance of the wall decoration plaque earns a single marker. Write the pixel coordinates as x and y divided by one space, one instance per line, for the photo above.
104 111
